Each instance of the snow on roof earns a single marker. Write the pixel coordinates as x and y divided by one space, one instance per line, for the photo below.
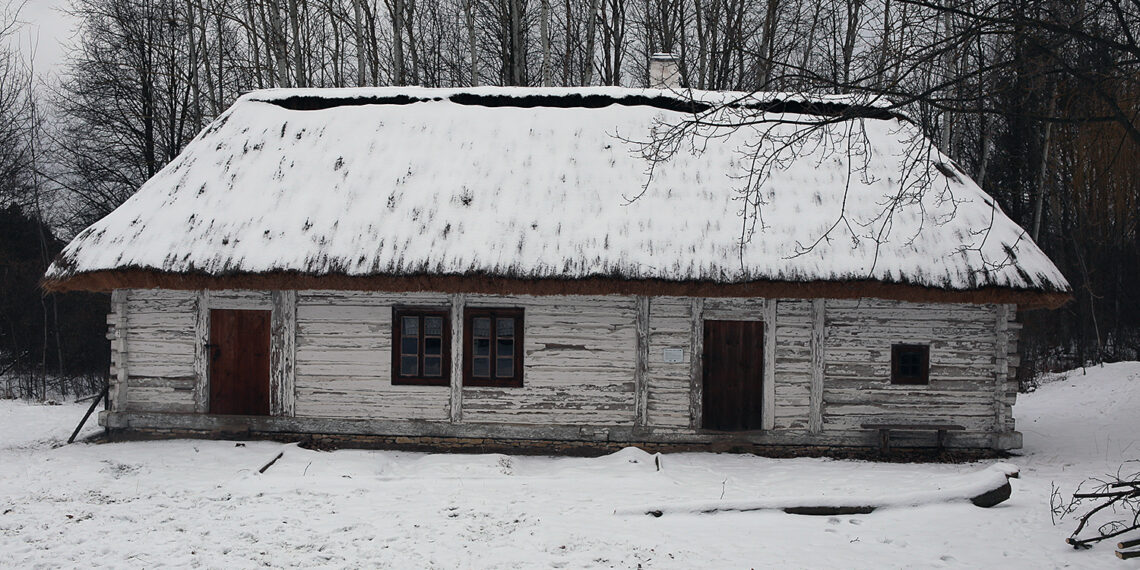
546 183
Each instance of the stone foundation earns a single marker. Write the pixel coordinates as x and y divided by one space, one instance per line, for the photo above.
583 448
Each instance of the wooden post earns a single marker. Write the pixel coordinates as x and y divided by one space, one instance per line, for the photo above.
458 301
1001 366
768 419
91 410
815 396
696 354
202 353
640 372
282 376
119 346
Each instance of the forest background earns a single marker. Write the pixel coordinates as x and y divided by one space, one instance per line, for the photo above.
1039 100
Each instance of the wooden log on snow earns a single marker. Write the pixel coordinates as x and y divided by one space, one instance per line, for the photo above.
828 511
1128 543
1126 555
987 488
993 496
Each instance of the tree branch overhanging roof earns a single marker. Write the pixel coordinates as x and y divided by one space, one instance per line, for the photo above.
371 186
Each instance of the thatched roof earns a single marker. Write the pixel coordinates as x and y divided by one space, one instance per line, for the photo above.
371 188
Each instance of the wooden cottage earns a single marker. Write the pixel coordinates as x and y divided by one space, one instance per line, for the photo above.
422 265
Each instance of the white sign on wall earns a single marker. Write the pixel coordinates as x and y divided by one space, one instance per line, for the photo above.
674 355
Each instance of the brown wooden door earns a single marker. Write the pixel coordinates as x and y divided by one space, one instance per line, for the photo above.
239 362
733 375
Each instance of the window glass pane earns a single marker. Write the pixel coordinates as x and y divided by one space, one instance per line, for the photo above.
481 326
505 367
504 347
409 345
433 345
481 346
409 365
910 363
506 327
433 326
411 326
433 366
481 367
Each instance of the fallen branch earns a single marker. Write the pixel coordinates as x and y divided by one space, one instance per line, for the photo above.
1114 510
271 462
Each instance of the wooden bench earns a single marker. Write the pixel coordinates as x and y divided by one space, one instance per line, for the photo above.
886 429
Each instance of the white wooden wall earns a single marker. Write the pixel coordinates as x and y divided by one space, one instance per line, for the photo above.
857 358
670 326
344 358
793 365
827 369
579 365
159 334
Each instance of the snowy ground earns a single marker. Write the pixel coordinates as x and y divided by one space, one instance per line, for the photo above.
203 503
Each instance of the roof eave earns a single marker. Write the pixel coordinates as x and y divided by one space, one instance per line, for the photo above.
110 280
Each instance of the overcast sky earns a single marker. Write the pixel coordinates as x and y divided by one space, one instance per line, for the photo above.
48 29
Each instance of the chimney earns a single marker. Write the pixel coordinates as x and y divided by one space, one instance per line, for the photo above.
664 72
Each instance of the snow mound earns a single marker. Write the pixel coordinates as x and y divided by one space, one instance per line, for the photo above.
1087 413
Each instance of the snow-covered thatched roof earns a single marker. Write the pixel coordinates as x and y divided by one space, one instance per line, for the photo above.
549 184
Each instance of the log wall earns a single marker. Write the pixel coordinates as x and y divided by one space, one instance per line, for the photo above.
857 364
591 362
159 350
344 359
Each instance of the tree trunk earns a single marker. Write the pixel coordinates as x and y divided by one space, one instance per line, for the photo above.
544 27
300 77
279 45
472 46
358 35
396 9
408 21
1042 186
591 31
854 7
517 59
192 56
768 43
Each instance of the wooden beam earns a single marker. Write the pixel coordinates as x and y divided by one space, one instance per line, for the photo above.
458 302
202 352
768 417
641 370
696 355
422 428
815 396
119 347
282 379
241 300
1001 366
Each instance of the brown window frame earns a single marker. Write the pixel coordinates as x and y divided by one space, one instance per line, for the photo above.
398 314
923 377
469 316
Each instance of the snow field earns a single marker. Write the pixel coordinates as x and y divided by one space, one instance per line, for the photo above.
203 504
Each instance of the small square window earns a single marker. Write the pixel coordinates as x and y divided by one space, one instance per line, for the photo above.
421 347
910 364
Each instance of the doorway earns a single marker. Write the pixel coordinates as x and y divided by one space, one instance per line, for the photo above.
239 362
733 394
